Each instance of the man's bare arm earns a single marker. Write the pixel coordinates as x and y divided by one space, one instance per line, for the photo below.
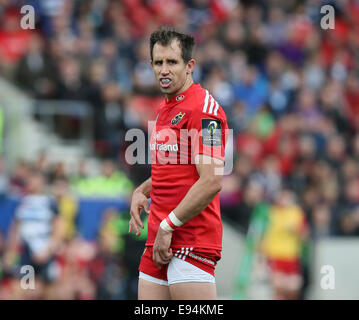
203 190
145 187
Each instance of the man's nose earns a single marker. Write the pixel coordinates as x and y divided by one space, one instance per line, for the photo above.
164 69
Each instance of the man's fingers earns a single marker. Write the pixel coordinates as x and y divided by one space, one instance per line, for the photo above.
159 259
156 259
170 254
136 216
134 227
166 255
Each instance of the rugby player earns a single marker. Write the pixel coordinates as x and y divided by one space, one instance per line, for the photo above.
187 151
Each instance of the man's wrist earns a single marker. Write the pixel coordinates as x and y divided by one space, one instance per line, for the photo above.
139 191
171 222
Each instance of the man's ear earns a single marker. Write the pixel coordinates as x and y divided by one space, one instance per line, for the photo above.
151 63
190 66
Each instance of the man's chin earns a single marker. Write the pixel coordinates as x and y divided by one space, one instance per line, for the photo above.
168 91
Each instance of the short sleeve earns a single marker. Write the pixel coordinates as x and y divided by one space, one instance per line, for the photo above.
208 134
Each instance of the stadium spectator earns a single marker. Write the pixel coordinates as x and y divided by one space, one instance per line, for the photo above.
322 224
34 72
253 192
14 41
110 183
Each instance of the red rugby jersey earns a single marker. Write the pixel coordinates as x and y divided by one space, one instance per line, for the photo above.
188 124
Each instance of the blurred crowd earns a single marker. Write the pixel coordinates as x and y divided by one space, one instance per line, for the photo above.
44 233
289 88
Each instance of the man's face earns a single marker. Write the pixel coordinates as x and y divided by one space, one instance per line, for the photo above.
36 183
172 73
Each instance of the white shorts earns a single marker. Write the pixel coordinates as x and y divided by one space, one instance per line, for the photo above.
180 271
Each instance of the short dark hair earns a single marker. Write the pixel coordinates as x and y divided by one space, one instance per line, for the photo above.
165 35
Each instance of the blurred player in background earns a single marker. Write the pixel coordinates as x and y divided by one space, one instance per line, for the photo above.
282 245
184 229
35 235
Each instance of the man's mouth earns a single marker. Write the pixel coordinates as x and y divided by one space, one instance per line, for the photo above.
165 82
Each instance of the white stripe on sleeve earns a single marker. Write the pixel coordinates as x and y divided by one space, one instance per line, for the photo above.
211 105
216 108
205 102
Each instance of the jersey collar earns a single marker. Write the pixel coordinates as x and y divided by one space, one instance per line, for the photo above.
182 95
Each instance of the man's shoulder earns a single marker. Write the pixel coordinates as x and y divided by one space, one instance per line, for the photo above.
205 105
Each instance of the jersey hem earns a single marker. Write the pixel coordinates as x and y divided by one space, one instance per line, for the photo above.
200 246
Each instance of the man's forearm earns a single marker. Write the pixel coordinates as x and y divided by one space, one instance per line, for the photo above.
12 241
145 187
197 199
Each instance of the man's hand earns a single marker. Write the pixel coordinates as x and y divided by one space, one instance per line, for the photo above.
162 253
139 202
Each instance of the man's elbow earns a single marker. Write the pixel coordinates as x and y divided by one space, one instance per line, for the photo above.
215 184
